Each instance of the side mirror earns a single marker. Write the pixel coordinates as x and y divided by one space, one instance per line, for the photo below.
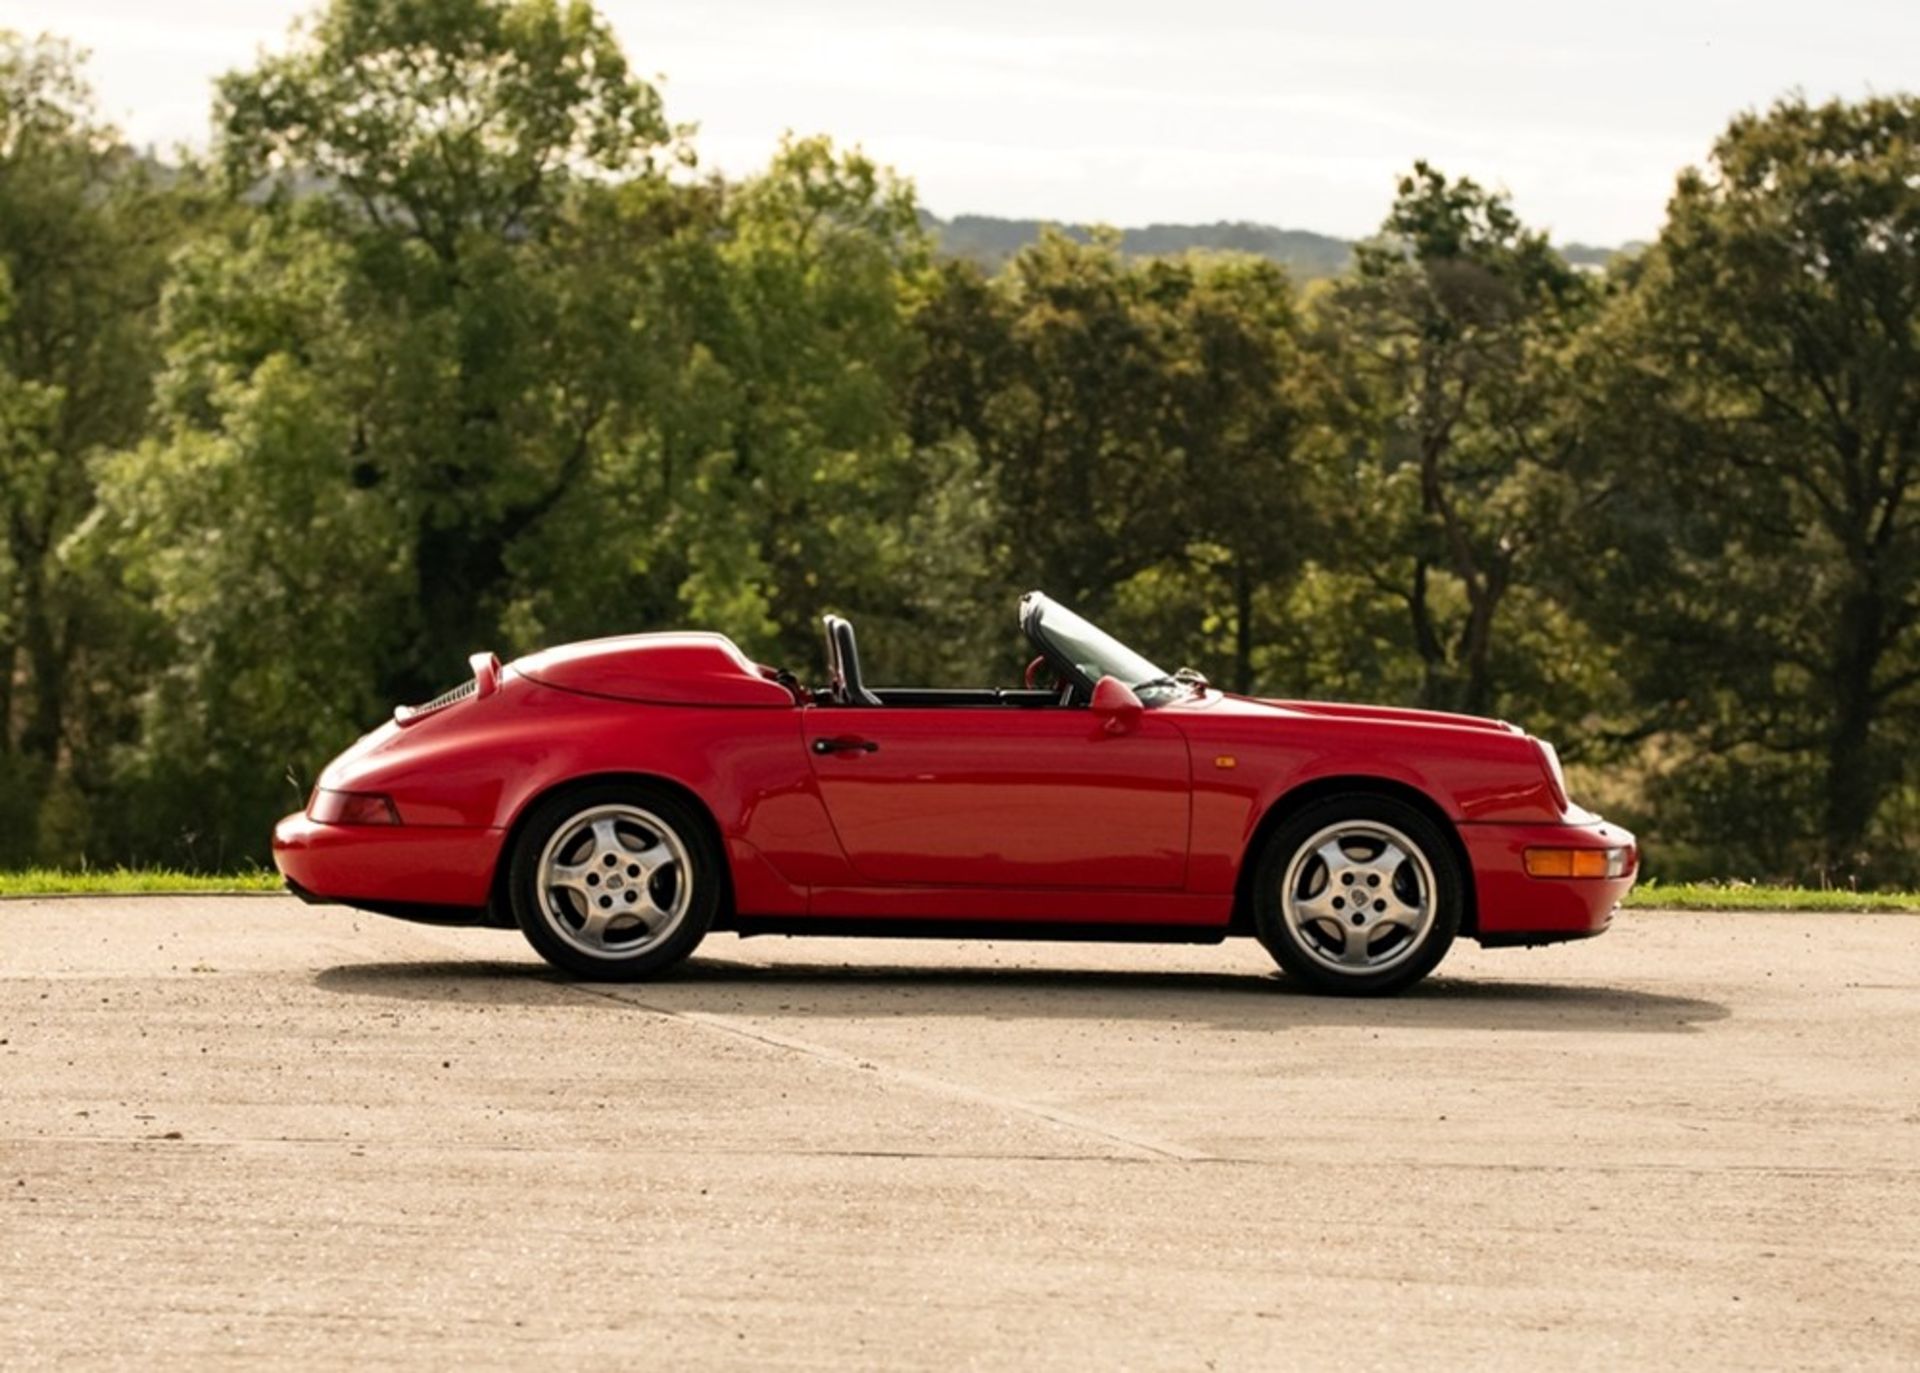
1115 705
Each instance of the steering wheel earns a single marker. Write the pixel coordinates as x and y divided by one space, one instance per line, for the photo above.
1034 670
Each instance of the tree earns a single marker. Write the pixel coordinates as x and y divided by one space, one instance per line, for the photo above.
1064 402
85 230
1157 431
1459 317
1763 392
813 493
444 122
382 385
1245 425
453 141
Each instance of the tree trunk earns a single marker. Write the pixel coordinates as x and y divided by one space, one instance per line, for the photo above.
1426 639
1854 779
460 571
1476 688
9 665
1242 629
1476 640
46 670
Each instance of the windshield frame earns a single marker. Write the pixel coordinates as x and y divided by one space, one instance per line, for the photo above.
1050 627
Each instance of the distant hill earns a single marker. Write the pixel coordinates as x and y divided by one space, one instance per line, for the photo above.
990 241
1586 255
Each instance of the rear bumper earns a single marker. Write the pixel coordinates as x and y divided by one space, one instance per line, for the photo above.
387 865
1517 909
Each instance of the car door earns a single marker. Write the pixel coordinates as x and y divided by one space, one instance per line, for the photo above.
1002 796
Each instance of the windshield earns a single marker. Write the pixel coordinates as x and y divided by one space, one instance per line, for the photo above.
1093 652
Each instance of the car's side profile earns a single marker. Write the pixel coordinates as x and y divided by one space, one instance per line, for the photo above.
618 799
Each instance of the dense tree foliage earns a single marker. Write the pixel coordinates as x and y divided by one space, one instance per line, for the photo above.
453 346
85 236
1453 323
1761 413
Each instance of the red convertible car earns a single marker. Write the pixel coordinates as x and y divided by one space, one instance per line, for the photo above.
618 799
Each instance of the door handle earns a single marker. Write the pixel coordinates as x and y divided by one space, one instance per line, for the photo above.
845 744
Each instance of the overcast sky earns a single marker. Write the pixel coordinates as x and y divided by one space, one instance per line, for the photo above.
1291 114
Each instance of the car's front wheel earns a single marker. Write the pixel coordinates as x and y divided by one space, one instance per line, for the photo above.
615 881
1358 895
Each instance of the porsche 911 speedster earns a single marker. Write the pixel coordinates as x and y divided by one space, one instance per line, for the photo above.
617 799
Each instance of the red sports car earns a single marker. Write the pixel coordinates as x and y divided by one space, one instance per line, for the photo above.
618 799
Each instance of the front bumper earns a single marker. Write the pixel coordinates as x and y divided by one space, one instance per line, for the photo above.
387 865
1515 908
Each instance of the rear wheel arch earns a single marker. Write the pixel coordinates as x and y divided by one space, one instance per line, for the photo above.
1319 789
497 900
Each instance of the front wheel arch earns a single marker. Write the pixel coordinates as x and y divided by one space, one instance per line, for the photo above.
1292 802
498 909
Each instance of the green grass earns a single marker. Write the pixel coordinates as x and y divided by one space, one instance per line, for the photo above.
1742 896
54 882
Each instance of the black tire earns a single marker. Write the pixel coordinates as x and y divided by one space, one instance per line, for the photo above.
1378 958
557 920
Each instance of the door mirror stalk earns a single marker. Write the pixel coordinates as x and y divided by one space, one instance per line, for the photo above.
1116 706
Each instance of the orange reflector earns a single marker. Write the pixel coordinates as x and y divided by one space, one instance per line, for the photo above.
1576 862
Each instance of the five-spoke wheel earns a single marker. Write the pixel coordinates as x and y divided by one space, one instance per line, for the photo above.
614 880
1358 894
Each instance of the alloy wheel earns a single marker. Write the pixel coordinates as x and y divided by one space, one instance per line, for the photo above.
614 881
1359 897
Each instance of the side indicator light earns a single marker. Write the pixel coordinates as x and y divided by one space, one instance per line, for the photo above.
1226 760
1579 862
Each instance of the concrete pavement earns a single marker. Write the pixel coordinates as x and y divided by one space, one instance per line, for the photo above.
242 1130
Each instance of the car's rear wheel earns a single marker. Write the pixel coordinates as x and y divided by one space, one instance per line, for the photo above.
1358 895
615 881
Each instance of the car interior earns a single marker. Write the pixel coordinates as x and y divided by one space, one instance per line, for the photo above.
846 687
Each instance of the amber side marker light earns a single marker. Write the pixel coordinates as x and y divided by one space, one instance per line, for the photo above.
1579 862
352 808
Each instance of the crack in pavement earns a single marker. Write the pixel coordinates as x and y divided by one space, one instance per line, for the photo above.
389 1148
1139 1142
290 1143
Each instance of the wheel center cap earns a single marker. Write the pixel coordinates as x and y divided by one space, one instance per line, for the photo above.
615 883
